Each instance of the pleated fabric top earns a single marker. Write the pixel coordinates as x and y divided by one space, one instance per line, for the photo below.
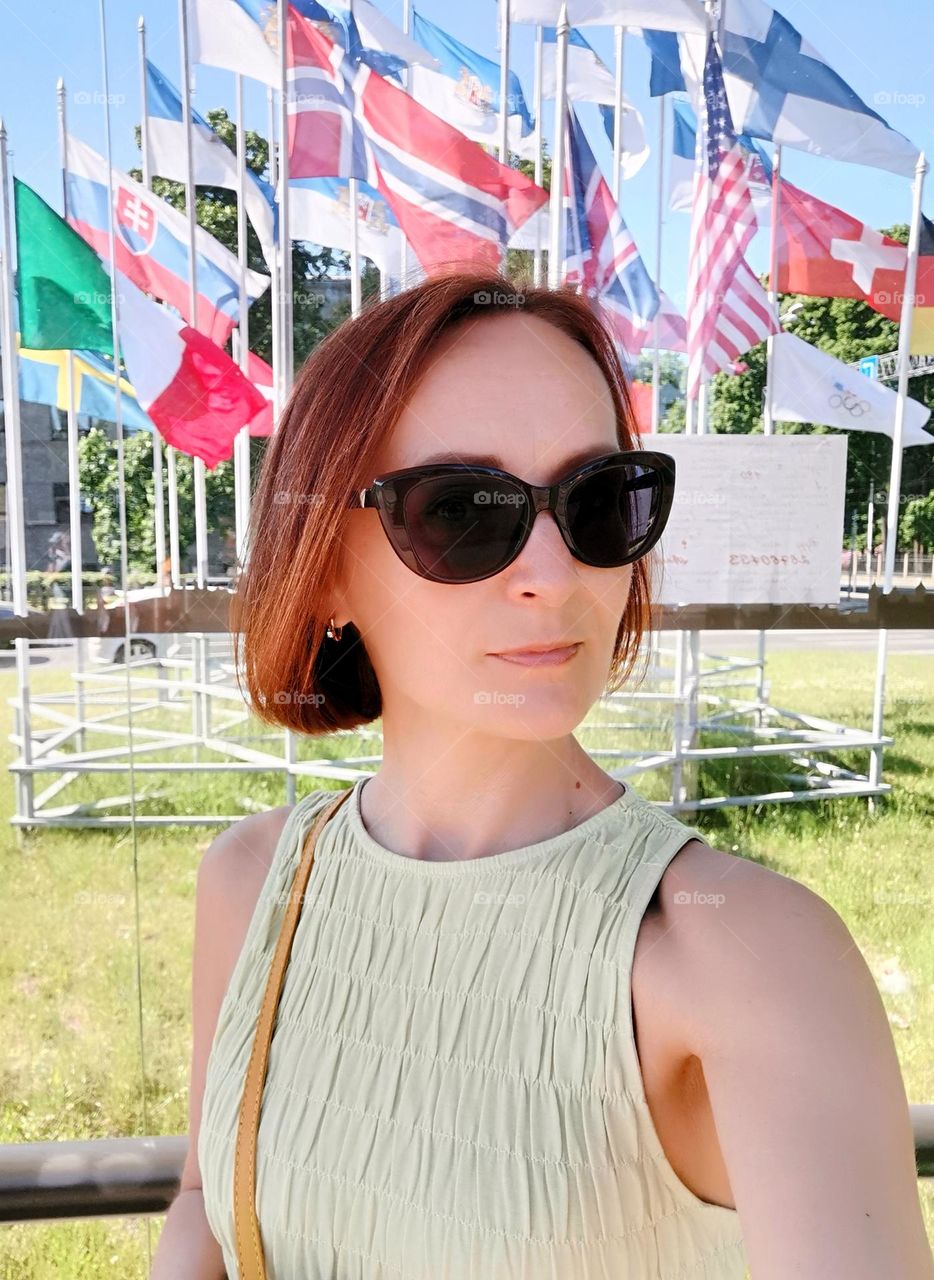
453 1089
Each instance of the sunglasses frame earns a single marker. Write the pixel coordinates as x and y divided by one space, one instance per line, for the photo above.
387 495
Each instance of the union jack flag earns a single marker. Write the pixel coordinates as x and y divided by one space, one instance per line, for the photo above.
454 201
600 254
728 310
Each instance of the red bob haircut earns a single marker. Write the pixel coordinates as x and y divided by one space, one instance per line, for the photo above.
347 397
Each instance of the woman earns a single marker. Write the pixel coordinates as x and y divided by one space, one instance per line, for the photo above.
532 1026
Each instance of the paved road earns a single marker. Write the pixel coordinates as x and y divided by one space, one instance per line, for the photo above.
850 641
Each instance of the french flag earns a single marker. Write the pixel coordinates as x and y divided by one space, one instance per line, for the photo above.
151 239
454 201
191 389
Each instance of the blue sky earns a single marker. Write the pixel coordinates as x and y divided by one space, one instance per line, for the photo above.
887 58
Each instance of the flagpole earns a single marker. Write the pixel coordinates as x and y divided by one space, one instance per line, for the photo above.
539 138
353 209
620 46
288 346
659 223
158 494
898 438
556 203
274 287
74 476
15 515
504 81
201 531
242 439
403 243
768 425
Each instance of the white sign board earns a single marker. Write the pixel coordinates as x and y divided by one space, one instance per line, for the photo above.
755 519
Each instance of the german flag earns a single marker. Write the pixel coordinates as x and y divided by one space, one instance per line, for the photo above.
922 319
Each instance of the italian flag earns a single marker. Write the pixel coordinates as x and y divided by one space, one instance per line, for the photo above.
190 388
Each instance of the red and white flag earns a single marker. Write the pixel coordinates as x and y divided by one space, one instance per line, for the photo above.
260 374
454 201
190 388
826 253
728 310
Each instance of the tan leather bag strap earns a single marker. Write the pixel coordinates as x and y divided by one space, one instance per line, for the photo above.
250 1258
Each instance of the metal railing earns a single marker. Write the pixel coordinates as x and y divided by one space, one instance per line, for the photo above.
104 1177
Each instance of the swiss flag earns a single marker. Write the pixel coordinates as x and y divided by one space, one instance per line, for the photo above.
827 253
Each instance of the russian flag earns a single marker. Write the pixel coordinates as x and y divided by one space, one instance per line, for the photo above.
453 200
152 244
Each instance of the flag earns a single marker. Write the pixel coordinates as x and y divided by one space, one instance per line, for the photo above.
728 310
824 252
378 32
780 88
188 386
464 91
454 202
666 15
600 253
665 75
590 80
238 35
922 320
43 379
672 326
64 300
683 162
319 211
260 374
808 385
151 238
214 164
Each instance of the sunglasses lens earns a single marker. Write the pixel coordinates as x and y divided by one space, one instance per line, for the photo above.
613 512
466 527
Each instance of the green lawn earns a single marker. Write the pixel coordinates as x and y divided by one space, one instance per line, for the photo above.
69 1013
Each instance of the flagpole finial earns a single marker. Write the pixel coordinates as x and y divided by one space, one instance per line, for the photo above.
141 24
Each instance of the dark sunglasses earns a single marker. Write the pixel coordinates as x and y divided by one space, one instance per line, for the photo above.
454 522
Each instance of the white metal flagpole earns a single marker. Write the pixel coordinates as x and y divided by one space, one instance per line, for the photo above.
539 161
159 497
285 238
556 203
620 47
274 305
201 518
504 100
659 226
895 476
242 440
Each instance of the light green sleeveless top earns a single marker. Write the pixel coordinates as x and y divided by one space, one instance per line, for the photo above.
453 1090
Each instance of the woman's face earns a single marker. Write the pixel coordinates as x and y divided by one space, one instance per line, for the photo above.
516 388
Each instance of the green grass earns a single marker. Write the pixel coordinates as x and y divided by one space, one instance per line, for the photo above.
69 1015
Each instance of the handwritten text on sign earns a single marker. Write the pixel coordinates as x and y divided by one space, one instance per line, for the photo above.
755 519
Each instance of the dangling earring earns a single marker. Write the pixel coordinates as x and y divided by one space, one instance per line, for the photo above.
334 632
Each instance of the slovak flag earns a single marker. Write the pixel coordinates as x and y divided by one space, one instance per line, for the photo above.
151 238
600 253
454 202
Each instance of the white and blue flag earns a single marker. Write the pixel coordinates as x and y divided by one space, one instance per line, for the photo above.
781 89
464 91
319 211
589 79
215 165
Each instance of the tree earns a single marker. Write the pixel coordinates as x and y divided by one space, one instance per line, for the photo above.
917 523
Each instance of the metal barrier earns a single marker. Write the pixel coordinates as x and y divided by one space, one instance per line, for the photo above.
104 1177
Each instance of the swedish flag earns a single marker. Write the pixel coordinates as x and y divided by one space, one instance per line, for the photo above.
43 379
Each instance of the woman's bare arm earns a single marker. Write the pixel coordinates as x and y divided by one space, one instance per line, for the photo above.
804 1083
231 875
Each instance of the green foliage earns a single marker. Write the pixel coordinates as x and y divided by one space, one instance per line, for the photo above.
917 523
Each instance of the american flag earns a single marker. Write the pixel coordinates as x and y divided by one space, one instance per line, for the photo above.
600 254
728 310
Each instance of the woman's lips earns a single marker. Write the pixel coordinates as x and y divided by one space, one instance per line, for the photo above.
548 658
